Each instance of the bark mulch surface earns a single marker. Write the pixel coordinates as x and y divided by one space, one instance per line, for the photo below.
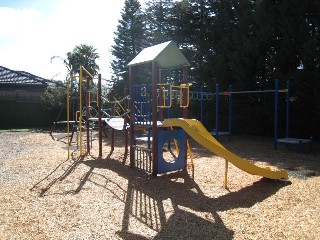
45 196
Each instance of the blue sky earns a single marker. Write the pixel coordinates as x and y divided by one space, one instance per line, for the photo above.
33 31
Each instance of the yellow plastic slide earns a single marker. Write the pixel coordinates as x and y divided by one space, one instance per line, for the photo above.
199 133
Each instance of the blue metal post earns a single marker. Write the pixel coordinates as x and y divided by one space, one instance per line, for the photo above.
201 104
287 109
217 110
230 111
276 95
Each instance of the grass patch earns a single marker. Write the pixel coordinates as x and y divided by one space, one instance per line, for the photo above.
21 130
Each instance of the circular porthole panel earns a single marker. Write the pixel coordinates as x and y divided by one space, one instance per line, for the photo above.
171 152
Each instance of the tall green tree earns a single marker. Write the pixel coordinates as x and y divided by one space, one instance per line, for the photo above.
129 40
158 15
234 38
201 15
245 43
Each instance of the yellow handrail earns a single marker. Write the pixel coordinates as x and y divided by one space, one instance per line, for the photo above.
184 86
164 90
181 87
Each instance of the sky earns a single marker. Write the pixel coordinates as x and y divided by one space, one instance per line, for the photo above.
33 31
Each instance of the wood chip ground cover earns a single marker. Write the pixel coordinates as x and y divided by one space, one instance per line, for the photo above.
45 196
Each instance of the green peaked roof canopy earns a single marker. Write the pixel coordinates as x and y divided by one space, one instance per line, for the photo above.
166 55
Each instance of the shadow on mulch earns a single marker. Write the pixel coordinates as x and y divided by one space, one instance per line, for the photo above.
145 199
194 215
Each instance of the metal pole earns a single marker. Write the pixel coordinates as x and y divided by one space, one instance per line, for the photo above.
185 110
88 113
201 104
112 114
276 93
217 110
230 111
80 109
126 120
161 97
100 115
154 119
68 116
287 109
132 118
226 174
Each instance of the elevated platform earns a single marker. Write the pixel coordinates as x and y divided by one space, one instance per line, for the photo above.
118 123
220 133
299 141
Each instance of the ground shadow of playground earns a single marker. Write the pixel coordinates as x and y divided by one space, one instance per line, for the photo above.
146 200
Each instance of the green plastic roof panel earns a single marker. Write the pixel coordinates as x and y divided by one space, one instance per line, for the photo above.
166 55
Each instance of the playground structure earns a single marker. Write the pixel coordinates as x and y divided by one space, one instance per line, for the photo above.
149 122
148 102
276 91
88 117
151 99
81 122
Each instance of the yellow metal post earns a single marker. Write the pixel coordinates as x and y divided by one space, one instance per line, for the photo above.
77 132
226 175
82 69
191 157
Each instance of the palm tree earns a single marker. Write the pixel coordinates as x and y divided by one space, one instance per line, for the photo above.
83 55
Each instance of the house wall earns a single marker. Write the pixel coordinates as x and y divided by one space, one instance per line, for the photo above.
21 93
25 115
22 107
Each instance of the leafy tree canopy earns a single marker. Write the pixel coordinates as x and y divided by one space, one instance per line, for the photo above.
83 55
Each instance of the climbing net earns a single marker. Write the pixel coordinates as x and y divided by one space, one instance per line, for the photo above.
116 107
110 109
